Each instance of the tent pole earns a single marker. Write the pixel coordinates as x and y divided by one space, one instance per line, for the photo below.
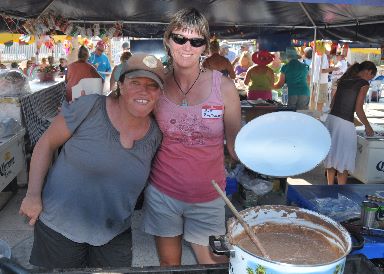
311 84
351 24
307 13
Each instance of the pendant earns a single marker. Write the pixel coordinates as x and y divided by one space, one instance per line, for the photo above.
184 103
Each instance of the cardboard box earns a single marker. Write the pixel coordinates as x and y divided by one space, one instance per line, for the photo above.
10 107
12 159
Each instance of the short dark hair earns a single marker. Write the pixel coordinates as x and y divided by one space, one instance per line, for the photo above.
125 45
214 46
125 56
308 52
83 53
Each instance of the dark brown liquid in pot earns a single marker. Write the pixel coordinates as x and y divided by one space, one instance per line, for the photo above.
291 244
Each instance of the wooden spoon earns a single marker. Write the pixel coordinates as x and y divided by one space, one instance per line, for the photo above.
246 227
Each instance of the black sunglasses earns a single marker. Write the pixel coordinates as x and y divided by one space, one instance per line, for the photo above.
181 40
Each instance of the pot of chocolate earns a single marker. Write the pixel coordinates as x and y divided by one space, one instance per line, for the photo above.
282 258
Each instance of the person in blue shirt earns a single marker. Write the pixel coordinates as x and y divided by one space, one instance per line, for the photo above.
99 60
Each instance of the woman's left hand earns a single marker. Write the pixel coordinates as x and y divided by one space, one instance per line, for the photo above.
369 131
31 207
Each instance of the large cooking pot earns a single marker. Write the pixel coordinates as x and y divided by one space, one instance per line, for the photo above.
244 261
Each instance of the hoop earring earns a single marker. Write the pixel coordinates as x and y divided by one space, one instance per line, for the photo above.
117 92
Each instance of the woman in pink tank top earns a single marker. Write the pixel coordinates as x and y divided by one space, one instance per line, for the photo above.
198 110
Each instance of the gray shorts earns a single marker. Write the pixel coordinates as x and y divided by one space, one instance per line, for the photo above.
298 101
323 94
168 217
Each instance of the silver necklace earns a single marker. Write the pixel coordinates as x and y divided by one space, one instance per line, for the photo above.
184 102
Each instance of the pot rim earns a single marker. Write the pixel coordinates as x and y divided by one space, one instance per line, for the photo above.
292 265
329 220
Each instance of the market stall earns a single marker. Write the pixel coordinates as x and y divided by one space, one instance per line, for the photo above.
41 106
35 110
32 105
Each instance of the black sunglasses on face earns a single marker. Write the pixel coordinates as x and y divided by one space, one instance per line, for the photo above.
181 40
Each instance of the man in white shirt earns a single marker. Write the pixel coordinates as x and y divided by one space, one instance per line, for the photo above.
226 52
320 76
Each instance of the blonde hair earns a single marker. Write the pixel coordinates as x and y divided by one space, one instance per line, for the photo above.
245 57
190 19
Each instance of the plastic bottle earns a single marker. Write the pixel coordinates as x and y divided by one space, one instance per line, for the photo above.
284 95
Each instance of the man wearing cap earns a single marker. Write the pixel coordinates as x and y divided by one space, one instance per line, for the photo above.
99 60
307 57
125 48
226 52
81 206
295 75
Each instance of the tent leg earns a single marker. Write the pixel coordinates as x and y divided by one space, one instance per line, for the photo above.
312 87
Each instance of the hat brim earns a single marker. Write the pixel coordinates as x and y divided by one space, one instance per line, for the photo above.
146 74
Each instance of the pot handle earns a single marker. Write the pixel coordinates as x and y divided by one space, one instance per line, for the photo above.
217 243
9 266
360 241
355 232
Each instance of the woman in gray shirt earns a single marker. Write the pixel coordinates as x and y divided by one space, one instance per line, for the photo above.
82 215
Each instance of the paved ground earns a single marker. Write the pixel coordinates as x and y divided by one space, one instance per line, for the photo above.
19 235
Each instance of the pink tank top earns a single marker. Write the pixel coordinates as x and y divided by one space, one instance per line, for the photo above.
191 154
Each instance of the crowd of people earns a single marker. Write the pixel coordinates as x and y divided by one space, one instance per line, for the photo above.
31 67
163 129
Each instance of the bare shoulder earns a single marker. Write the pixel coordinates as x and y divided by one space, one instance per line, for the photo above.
227 82
228 89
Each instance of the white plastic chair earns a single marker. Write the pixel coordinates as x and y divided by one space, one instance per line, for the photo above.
89 85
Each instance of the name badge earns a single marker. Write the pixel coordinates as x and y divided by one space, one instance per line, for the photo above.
212 112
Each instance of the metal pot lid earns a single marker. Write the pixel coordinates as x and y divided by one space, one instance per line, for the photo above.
282 144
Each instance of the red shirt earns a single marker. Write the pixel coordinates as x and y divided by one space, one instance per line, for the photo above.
76 71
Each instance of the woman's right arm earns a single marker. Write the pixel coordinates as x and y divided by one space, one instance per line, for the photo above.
360 110
55 136
281 81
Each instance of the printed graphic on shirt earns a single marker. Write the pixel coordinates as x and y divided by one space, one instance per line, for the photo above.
187 129
212 112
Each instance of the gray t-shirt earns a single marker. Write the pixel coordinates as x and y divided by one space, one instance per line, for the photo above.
92 187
